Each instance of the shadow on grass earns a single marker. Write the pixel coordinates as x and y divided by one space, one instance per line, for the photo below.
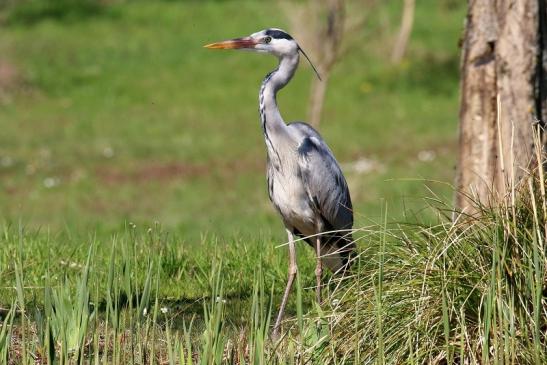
182 310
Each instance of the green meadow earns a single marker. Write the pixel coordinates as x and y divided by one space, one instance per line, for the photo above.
135 221
121 116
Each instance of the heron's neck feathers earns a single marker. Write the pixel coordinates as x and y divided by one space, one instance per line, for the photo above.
272 122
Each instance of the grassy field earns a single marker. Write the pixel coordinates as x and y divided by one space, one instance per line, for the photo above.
452 292
123 116
134 204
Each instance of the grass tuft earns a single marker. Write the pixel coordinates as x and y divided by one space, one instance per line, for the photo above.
466 291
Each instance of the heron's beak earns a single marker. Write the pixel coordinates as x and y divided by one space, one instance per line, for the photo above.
236 43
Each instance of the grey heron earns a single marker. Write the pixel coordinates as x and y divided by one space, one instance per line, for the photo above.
305 182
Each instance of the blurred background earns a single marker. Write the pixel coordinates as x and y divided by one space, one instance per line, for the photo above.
113 112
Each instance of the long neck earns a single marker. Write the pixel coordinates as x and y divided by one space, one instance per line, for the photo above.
272 122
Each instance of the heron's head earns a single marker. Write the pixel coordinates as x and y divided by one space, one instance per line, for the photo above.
272 40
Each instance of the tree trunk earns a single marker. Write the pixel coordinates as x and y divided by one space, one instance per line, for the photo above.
329 44
401 43
502 97
317 98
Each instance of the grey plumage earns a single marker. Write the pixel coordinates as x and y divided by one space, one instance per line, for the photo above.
305 182
312 195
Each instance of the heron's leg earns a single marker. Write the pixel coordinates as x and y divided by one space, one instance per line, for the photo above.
292 274
318 269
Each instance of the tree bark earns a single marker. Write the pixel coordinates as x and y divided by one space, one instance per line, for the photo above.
502 98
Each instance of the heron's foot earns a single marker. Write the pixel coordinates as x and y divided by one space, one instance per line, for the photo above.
319 327
318 275
275 335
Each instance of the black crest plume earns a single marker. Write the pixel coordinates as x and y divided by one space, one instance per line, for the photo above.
311 64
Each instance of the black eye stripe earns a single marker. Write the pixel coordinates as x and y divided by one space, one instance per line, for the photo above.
278 34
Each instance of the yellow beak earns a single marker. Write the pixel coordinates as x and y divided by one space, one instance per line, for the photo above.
233 44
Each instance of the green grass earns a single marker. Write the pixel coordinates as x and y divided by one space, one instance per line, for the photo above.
109 288
126 117
470 291
136 226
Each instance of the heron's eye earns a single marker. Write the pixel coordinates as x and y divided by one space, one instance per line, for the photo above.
267 39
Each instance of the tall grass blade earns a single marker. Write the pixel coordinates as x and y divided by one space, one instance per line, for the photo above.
5 334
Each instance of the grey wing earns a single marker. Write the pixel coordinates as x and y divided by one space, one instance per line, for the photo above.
269 180
324 181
